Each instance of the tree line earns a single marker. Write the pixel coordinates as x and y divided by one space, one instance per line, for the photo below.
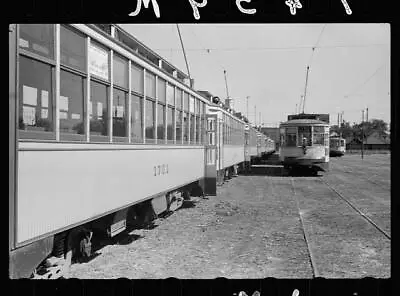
355 130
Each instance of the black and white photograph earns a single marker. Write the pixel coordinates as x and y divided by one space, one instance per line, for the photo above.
201 150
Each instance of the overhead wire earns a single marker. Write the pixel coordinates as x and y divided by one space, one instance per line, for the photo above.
365 81
274 48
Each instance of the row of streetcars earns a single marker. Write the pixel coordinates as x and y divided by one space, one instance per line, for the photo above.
102 131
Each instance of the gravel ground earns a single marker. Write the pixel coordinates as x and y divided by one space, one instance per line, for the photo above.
252 229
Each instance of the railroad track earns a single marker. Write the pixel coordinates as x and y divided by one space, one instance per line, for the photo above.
348 171
305 234
369 220
307 239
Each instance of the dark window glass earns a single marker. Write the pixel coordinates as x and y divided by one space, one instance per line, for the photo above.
160 121
178 125
119 113
136 113
150 85
71 103
98 113
198 129
197 106
150 110
73 49
178 98
37 38
120 71
137 78
35 97
185 127
192 124
170 123
161 90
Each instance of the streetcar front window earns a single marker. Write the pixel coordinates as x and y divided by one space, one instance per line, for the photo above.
291 137
318 135
304 136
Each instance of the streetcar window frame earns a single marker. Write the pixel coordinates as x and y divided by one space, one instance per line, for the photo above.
94 136
42 130
80 134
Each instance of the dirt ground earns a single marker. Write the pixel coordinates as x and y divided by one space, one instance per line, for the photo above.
252 229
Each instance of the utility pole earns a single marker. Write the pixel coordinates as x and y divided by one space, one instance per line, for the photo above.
255 115
367 114
247 107
362 136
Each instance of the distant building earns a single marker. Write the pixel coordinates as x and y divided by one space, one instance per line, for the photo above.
376 139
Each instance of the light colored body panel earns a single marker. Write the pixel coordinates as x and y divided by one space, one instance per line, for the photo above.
233 154
62 187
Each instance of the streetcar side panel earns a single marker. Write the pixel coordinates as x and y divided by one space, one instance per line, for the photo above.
83 184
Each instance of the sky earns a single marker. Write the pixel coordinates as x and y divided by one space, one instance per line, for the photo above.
349 69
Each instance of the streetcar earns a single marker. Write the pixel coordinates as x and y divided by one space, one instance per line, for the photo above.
102 132
337 146
304 144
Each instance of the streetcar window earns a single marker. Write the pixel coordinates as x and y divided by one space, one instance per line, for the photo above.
192 126
318 139
136 118
178 98
150 85
120 71
290 137
170 94
170 123
185 127
161 90
72 49
304 133
98 111
185 101
202 122
150 124
191 104
198 129
37 38
119 114
35 99
136 78
197 106
160 121
98 61
179 125
71 105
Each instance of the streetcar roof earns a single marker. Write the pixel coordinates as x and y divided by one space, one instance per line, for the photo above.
297 122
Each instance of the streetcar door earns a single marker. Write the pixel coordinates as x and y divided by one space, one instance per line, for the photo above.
211 155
